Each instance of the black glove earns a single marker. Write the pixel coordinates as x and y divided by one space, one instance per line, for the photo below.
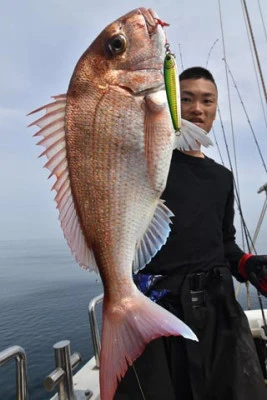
254 269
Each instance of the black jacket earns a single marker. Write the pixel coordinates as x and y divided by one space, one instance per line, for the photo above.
199 192
223 365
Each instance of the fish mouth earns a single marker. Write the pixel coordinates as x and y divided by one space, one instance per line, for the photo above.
153 26
152 20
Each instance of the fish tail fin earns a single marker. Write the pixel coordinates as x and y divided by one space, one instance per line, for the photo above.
127 329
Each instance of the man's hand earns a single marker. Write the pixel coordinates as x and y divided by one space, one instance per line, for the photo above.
254 269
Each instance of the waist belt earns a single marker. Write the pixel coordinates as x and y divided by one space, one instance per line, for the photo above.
198 283
201 280
198 298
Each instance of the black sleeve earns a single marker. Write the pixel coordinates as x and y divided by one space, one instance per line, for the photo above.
232 251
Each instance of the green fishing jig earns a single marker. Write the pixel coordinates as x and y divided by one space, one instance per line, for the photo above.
172 88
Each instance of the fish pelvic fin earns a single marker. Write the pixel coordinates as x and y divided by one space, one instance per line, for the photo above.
155 236
52 131
190 137
127 329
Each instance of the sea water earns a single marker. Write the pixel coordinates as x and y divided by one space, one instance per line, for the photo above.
44 299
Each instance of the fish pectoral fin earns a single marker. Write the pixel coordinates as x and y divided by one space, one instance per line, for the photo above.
158 135
52 129
126 332
155 236
190 137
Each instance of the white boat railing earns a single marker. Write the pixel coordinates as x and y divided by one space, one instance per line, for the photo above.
17 353
62 376
94 326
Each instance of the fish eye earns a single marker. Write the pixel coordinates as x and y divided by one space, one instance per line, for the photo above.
117 44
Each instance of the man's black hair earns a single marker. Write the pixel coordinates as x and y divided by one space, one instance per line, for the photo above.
196 73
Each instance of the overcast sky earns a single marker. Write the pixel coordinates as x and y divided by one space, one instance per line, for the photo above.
41 43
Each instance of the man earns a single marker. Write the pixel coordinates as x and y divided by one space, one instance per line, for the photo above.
196 267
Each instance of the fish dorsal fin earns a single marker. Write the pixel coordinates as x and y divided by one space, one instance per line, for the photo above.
190 136
155 236
52 130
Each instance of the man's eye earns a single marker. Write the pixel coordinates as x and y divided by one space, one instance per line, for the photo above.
185 100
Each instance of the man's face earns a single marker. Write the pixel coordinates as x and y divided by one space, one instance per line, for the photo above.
198 102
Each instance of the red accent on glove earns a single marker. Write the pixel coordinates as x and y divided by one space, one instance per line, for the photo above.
242 263
263 285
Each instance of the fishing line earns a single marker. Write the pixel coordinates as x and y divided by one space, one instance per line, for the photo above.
231 167
265 94
254 66
217 146
263 212
255 48
229 98
247 234
237 198
252 246
138 382
262 20
211 51
248 119
236 181
213 130
181 58
249 241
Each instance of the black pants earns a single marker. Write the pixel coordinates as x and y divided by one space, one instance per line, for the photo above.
223 365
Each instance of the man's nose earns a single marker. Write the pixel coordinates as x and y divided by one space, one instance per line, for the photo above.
197 108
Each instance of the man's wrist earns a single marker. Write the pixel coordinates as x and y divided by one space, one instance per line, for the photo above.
242 263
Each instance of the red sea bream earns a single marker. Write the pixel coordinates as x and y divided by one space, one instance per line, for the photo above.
109 143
